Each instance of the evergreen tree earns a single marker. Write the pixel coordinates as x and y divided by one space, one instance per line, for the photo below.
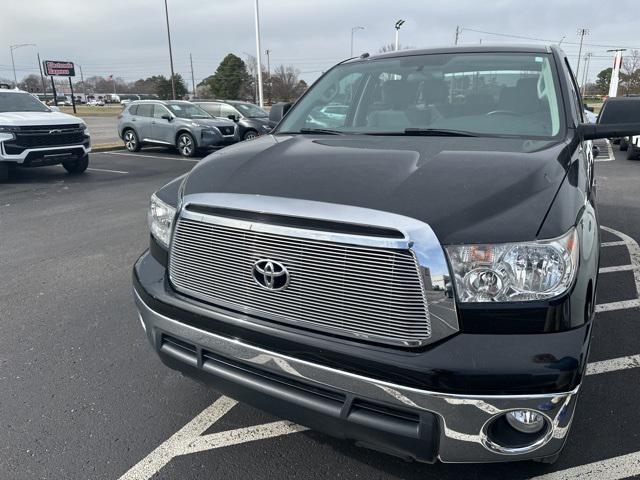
230 79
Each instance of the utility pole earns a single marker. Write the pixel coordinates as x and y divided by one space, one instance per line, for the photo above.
585 78
44 85
582 32
457 35
259 54
13 64
354 30
399 23
267 52
173 82
193 80
84 87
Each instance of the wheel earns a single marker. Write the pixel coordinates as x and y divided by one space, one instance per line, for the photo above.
250 135
131 141
632 152
186 145
4 172
77 166
624 144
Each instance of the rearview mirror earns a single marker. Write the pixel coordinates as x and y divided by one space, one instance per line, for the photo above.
278 110
619 117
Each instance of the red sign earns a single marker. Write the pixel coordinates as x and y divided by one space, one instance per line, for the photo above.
55 68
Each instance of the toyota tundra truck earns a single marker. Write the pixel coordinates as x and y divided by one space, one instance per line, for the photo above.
416 273
34 135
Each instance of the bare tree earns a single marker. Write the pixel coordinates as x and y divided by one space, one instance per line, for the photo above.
31 83
391 47
286 83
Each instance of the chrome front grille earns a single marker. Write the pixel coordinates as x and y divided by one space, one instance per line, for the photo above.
359 291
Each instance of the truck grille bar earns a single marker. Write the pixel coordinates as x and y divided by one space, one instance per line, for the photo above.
370 293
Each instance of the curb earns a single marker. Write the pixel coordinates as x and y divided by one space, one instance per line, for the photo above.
106 148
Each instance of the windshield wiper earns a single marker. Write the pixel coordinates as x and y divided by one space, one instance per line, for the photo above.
320 131
436 132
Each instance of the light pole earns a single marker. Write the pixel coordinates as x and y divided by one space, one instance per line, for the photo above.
354 30
173 82
13 64
582 32
399 23
267 52
258 54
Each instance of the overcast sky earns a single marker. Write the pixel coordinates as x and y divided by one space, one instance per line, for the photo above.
127 38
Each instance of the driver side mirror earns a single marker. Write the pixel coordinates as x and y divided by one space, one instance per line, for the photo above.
619 117
278 110
167 116
233 117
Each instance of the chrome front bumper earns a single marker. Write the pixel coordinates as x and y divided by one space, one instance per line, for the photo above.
463 419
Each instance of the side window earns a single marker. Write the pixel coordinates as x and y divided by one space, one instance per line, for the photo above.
576 101
145 110
133 109
226 110
211 108
159 111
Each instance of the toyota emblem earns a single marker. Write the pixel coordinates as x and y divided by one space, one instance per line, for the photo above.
270 274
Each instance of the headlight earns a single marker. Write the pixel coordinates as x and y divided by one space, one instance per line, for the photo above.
6 136
161 220
515 272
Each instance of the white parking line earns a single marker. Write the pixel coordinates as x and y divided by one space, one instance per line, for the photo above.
107 171
613 244
634 255
163 157
613 364
622 305
616 468
619 268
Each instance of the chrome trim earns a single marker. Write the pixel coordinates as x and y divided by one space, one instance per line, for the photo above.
417 237
463 418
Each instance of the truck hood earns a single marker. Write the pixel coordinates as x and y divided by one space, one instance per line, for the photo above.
37 118
468 189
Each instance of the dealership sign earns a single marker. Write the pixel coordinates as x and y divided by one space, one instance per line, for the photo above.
55 68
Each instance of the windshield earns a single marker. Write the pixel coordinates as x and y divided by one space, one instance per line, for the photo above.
481 94
187 110
20 102
249 110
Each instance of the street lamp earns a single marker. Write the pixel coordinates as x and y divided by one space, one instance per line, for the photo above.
399 23
13 64
173 82
354 30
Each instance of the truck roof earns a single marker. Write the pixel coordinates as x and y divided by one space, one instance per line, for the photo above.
495 48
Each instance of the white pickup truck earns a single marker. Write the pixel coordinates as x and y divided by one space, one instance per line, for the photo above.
33 135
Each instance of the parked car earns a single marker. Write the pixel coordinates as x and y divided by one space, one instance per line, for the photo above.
177 123
95 103
252 120
294 272
627 109
34 135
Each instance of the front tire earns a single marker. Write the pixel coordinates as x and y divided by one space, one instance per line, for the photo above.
4 172
78 166
186 145
250 135
131 140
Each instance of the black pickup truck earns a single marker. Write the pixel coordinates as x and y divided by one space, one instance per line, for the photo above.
414 270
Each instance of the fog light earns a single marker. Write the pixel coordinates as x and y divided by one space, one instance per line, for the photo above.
526 421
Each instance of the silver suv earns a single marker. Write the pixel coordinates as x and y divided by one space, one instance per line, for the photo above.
178 123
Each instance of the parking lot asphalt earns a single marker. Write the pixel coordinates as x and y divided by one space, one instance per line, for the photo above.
83 396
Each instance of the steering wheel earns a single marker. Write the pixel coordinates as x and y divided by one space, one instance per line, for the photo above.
504 112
